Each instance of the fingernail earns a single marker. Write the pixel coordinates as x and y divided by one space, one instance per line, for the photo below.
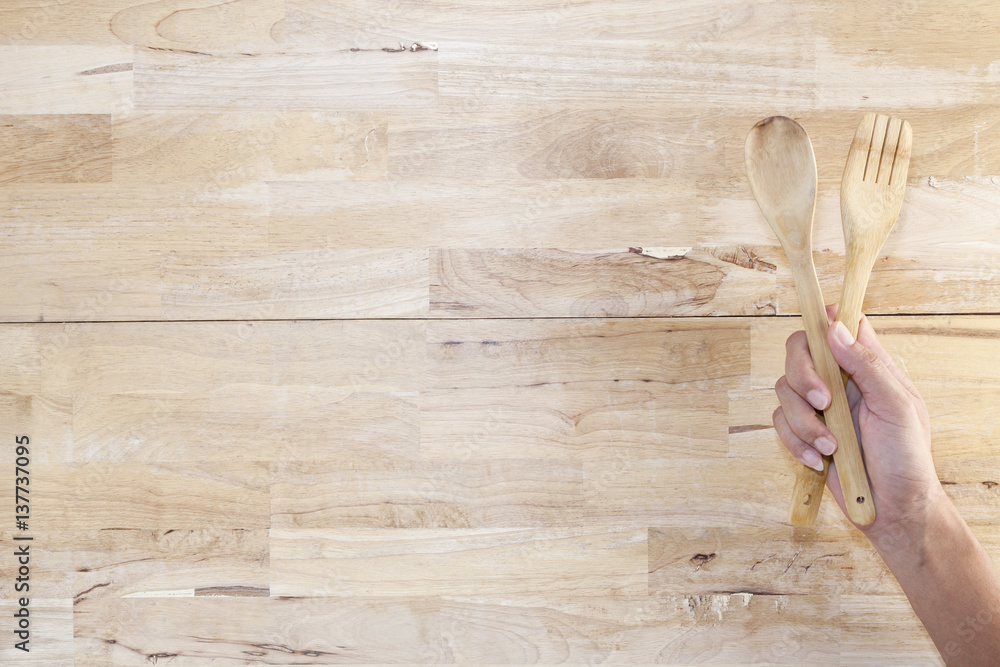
842 334
817 399
825 445
813 460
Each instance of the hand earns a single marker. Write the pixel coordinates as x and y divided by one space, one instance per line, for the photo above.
889 415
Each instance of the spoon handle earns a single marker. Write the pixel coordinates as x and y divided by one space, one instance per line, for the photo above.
809 484
850 465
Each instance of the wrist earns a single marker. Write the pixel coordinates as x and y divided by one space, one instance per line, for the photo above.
904 539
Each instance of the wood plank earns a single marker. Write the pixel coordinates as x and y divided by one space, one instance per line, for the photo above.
721 268
66 79
169 253
261 285
46 419
313 23
602 73
182 24
884 631
694 148
198 26
493 354
963 36
86 565
101 258
203 357
612 493
716 72
629 282
72 496
923 270
393 493
55 149
192 630
344 80
51 643
446 212
624 419
228 150
538 139
141 218
766 561
953 271
972 484
481 630
229 423
456 561
754 629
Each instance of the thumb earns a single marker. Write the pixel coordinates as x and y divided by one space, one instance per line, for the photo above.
880 388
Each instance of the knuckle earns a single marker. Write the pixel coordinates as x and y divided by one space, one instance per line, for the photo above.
795 340
869 357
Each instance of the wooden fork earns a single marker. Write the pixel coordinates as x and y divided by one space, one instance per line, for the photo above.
871 194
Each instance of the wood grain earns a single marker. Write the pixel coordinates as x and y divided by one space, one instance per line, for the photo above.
782 561
123 495
111 563
530 457
362 80
630 282
55 149
66 79
678 630
177 25
52 623
499 562
228 150
425 332
308 254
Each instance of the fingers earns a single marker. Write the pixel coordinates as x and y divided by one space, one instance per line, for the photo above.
802 419
801 374
867 337
800 449
883 392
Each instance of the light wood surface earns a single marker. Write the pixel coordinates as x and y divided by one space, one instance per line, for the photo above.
445 332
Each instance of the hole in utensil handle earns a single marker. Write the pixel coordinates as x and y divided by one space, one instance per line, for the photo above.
861 500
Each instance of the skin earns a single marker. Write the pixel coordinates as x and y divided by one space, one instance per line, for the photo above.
950 580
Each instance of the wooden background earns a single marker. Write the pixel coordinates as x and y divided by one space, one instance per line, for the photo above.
380 331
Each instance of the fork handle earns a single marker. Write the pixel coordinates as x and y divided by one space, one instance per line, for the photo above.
850 464
807 494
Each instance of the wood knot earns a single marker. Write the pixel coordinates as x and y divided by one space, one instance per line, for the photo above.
701 559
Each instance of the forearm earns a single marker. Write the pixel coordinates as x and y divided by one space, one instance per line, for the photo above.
950 580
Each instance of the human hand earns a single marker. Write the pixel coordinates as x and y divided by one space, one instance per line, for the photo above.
889 415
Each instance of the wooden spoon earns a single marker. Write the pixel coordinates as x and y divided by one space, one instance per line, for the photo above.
782 173
871 194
